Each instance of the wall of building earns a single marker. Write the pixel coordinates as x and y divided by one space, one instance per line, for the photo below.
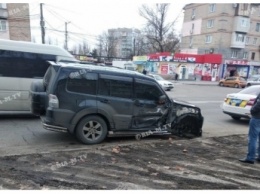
227 20
19 21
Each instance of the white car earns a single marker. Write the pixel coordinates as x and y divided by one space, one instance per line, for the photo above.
254 80
166 85
238 105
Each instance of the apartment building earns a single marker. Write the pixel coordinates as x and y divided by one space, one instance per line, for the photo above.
232 30
15 21
125 38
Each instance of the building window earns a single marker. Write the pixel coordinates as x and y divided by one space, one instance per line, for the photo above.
3 5
257 27
254 41
210 23
208 39
2 25
252 56
244 23
193 12
244 6
191 39
240 37
212 7
247 40
234 54
245 55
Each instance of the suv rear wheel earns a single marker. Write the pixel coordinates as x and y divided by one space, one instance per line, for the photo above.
91 130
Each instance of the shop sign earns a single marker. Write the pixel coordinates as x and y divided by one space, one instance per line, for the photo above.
236 62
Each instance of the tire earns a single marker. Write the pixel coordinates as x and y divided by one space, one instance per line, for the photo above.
236 118
236 86
97 124
248 85
221 84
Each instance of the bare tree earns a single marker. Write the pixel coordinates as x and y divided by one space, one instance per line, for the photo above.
159 33
85 48
49 41
107 45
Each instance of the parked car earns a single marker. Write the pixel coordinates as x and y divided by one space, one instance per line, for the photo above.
237 82
166 85
238 105
94 102
253 80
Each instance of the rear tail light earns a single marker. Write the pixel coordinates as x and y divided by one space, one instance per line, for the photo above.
53 101
251 102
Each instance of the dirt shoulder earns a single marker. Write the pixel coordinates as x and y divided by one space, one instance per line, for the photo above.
200 163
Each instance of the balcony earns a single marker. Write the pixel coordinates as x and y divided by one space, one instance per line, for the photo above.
3 13
241 24
238 40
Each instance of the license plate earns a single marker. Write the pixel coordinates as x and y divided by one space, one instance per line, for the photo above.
237 102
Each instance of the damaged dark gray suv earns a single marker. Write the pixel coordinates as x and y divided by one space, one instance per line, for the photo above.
94 102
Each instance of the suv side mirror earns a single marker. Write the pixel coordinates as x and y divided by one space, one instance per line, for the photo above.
162 99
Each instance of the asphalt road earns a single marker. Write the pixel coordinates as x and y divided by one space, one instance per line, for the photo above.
24 135
33 158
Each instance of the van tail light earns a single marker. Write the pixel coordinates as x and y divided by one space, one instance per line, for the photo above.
53 101
251 102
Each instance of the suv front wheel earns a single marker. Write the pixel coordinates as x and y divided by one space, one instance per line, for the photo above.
91 130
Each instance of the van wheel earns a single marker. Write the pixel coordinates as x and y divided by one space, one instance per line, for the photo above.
221 84
91 130
236 86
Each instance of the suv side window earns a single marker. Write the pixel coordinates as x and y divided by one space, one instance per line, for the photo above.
115 88
147 92
85 83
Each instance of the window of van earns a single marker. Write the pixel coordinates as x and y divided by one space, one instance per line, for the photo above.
23 64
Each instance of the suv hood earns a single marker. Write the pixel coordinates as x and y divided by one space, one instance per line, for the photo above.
162 82
181 102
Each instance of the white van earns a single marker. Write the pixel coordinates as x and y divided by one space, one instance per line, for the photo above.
20 64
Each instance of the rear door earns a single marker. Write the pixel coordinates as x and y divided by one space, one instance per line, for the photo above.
115 100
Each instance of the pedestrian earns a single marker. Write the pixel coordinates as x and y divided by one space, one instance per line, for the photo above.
176 76
253 134
144 71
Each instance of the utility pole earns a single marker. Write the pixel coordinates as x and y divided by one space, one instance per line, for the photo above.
66 35
42 24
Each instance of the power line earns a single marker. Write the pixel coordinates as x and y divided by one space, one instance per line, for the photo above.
57 15
62 9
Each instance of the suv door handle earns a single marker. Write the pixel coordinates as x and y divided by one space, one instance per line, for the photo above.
137 103
104 100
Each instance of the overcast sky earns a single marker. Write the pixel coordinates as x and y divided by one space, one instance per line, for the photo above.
89 18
